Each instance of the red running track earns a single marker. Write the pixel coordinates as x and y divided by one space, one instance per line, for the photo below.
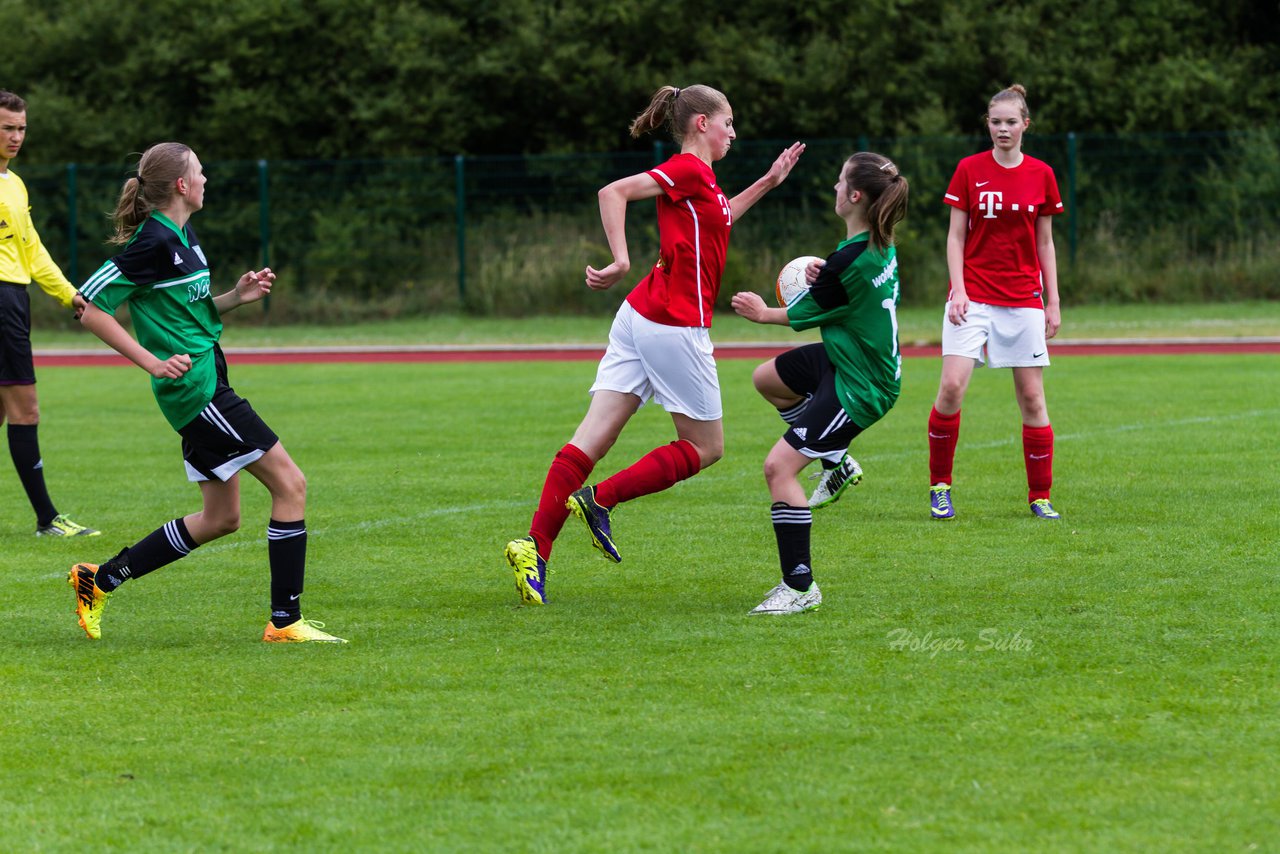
100 358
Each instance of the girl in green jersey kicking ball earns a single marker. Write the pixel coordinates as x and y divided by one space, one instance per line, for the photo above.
162 274
828 393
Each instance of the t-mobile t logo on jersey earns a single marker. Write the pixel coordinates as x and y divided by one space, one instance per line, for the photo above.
990 201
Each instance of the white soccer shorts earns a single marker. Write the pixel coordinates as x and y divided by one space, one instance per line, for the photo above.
671 365
998 335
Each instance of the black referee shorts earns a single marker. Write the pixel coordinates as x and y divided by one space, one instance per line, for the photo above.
16 364
226 436
823 426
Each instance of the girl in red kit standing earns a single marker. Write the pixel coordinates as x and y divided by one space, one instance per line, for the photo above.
1003 304
659 346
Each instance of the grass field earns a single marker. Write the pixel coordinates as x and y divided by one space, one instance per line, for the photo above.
1107 683
917 325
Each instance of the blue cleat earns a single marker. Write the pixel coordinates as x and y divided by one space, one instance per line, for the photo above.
940 501
1042 509
584 506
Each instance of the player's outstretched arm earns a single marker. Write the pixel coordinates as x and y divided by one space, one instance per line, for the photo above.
777 173
752 307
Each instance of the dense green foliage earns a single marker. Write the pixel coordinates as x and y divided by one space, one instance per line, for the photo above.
345 78
1131 706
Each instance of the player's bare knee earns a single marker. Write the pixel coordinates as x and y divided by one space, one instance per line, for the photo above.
221 524
1032 406
950 396
777 469
292 487
762 375
709 455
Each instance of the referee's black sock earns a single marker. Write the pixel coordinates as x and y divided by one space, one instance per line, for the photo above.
287 552
24 447
161 547
791 526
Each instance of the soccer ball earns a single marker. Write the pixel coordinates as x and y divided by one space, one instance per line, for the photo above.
791 281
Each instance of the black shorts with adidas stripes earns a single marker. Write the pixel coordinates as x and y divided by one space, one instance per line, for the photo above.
823 426
226 436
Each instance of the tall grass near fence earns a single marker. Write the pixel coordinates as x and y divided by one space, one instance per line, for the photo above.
1150 217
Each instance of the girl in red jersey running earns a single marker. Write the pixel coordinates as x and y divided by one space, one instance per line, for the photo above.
659 346
1004 295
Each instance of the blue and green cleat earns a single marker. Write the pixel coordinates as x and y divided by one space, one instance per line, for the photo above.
940 501
1042 509
583 505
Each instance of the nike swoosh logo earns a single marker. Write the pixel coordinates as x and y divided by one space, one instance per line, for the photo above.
937 436
1037 355
294 597
983 183
1039 456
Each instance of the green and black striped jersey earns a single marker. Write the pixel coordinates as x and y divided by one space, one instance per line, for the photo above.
163 275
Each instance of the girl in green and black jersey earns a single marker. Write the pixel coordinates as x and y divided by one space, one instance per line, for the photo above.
162 274
830 392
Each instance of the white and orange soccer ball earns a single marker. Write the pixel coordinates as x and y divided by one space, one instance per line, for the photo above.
791 281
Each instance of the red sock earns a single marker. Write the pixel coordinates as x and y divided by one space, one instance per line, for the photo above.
569 470
1037 450
944 432
655 471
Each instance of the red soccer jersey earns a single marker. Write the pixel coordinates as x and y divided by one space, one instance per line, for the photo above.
694 219
1001 264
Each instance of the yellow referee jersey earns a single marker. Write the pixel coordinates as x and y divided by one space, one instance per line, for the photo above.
23 257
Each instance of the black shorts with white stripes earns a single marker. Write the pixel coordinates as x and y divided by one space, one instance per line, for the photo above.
822 426
226 436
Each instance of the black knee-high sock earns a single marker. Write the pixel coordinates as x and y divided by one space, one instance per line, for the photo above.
791 525
24 447
161 547
287 551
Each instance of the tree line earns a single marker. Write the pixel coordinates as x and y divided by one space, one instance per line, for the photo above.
300 79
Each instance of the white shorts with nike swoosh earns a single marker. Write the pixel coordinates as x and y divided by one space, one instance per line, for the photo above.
998 336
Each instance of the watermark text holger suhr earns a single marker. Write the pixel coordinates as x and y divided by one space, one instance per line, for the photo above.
987 640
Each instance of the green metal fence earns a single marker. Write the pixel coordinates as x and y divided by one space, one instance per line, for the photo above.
436 233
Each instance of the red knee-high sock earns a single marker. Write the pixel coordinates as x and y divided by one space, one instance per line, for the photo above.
569 470
944 431
1037 450
655 471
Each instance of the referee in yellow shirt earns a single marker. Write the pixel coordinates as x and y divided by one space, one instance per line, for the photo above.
23 259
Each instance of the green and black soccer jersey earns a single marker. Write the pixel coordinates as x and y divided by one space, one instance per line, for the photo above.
163 275
855 300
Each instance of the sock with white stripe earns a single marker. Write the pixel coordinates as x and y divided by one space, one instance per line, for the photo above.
287 551
792 413
791 526
161 547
